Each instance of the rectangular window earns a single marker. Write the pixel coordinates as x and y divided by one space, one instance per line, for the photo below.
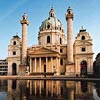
83 49
14 53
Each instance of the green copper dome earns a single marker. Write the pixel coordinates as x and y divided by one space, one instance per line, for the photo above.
52 23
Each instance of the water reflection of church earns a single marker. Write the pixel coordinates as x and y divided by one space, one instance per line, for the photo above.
50 90
52 54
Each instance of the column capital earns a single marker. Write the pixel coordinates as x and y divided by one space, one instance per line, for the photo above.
69 14
24 19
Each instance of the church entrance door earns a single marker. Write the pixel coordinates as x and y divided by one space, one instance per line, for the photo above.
14 68
83 68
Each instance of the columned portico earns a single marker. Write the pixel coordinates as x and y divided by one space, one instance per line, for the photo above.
45 64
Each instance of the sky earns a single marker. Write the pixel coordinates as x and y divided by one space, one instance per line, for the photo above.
86 14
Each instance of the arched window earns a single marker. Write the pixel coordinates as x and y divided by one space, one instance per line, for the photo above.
83 38
48 39
60 41
61 50
83 62
69 12
51 14
48 26
14 43
14 69
61 61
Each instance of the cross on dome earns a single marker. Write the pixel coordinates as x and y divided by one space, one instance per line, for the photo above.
24 16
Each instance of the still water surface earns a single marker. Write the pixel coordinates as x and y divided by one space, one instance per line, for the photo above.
48 90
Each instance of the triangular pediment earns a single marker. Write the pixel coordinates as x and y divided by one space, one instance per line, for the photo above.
42 50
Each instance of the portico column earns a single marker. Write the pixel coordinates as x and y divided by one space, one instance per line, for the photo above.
30 65
46 64
78 67
57 65
35 64
51 64
40 63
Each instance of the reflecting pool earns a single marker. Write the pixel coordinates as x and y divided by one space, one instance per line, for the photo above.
49 90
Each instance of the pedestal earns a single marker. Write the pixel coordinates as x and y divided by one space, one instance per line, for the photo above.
70 70
22 69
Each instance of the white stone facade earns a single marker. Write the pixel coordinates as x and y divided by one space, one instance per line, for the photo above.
83 51
54 50
14 55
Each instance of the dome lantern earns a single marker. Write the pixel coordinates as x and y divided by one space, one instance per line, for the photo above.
52 12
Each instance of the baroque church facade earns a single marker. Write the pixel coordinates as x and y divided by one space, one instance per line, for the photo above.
55 54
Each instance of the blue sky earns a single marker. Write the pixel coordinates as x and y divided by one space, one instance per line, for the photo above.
87 14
